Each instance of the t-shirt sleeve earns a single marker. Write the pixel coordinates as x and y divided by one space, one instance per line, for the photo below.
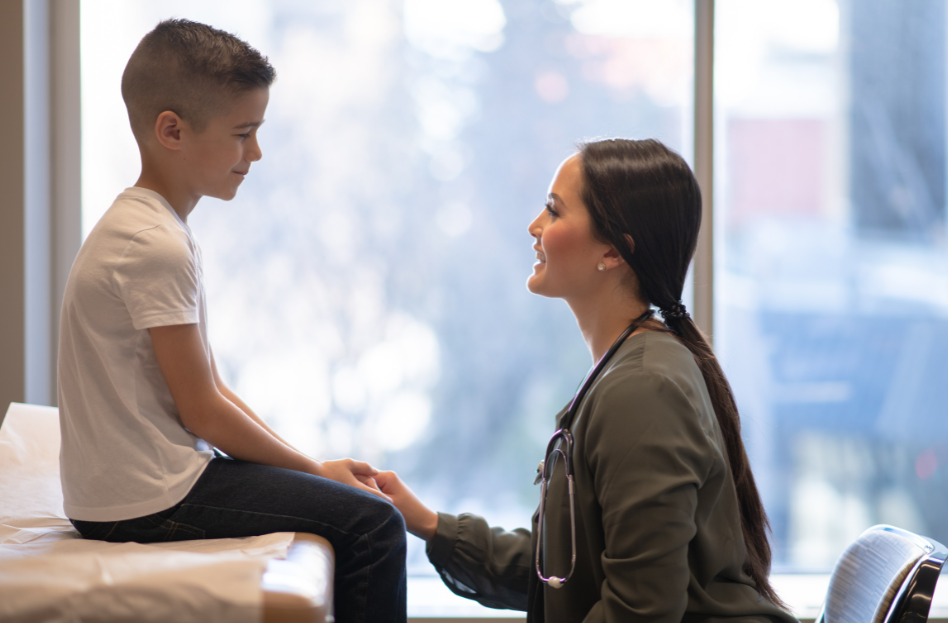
157 278
649 452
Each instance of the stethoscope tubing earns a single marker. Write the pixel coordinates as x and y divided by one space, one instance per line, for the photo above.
564 434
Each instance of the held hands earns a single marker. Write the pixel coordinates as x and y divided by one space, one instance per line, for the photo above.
419 519
356 474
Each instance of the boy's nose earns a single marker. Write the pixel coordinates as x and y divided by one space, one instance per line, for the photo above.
254 152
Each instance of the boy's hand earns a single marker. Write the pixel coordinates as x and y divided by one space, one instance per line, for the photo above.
356 474
419 519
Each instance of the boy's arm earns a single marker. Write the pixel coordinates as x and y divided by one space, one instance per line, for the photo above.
207 413
234 398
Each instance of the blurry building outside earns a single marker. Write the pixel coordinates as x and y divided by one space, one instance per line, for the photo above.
831 285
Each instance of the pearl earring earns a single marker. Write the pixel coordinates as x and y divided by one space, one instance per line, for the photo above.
601 267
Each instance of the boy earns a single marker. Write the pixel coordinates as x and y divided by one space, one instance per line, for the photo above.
141 401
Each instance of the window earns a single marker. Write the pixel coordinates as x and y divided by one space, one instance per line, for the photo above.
832 271
366 288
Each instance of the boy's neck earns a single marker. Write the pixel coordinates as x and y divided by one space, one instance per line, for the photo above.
183 202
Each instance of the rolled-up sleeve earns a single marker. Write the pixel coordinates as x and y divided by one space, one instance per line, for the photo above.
476 561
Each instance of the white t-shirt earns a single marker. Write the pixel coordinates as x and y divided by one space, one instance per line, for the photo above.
125 452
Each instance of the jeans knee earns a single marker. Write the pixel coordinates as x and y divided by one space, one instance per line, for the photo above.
391 523
386 526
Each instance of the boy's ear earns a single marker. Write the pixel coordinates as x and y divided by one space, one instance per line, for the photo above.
168 127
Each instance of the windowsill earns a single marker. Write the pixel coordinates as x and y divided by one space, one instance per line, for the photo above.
430 601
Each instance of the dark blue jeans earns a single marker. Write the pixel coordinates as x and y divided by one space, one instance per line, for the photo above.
235 499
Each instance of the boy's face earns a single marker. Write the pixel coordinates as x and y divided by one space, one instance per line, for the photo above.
219 157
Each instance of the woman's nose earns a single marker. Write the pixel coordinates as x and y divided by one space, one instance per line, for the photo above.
535 229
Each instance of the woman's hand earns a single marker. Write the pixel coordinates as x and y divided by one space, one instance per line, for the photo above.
353 473
419 519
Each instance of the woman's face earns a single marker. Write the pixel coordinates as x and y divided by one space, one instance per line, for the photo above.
567 252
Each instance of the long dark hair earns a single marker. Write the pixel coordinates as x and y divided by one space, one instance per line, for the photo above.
644 191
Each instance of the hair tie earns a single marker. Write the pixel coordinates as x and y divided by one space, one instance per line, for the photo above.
676 311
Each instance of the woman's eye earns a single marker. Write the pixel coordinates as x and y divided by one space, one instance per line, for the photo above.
549 208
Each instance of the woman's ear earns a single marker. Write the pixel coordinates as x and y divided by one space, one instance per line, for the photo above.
168 127
612 258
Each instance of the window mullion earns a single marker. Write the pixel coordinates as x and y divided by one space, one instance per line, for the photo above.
703 163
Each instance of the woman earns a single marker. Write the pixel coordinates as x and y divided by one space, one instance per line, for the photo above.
669 525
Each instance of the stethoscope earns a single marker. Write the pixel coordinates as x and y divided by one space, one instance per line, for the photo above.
561 443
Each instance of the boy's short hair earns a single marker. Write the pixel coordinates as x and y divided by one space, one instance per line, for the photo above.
192 70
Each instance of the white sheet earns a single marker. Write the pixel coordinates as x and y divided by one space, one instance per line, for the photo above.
49 573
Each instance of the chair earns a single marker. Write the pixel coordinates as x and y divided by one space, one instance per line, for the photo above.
887 575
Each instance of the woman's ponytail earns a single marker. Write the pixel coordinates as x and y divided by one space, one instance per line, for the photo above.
641 191
754 522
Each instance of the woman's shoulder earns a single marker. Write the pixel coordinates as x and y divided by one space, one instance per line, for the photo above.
654 380
652 404
653 358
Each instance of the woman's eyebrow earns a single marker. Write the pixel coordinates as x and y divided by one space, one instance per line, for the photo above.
556 200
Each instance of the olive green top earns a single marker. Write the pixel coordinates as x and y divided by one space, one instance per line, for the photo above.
658 530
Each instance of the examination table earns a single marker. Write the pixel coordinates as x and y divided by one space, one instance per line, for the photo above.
49 573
